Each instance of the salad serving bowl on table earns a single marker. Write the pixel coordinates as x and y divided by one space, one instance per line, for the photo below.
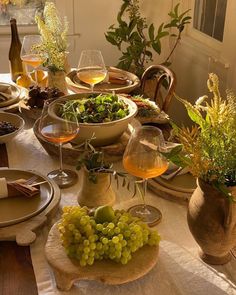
104 133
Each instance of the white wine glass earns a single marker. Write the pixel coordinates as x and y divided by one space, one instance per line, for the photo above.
59 132
30 54
91 67
143 158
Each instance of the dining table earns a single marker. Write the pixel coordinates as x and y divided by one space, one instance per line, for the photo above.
179 270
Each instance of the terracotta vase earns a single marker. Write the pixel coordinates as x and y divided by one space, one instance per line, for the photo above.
96 194
58 79
212 222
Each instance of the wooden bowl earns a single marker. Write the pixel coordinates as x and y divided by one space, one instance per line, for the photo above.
112 153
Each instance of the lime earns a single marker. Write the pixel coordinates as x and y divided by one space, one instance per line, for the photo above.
104 214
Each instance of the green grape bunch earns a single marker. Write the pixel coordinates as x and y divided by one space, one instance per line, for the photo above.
87 239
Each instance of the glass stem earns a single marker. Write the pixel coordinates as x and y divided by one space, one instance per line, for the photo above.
144 191
60 157
92 86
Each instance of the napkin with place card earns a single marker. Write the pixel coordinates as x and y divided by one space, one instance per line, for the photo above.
16 188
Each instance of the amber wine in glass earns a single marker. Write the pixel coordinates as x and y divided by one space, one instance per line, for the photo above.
91 68
143 158
29 53
59 132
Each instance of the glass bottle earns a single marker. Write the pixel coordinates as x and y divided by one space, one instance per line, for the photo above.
16 68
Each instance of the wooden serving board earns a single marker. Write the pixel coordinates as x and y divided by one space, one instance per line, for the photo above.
133 82
24 232
68 271
112 153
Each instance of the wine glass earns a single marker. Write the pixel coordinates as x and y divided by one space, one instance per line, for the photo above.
30 54
143 158
58 131
91 68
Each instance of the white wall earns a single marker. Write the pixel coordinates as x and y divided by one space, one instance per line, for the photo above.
197 56
88 22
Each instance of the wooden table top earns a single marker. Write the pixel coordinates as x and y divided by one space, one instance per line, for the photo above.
17 274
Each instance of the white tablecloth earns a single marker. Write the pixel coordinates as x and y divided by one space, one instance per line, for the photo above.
178 271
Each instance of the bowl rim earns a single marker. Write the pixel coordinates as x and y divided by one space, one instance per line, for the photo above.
132 108
22 124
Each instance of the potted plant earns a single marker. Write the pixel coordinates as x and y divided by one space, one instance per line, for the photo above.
209 150
137 39
96 189
53 48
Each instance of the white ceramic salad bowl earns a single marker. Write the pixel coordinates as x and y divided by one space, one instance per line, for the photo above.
105 133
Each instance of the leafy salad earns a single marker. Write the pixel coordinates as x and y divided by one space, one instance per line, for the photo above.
146 107
100 109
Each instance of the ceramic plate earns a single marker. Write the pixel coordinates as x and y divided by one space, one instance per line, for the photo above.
131 82
17 209
182 183
13 91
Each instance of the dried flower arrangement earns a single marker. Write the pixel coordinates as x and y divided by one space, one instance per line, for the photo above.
209 147
54 38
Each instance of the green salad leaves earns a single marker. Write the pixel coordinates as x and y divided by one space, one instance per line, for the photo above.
100 109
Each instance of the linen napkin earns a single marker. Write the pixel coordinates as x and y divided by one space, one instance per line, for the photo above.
118 78
16 188
5 93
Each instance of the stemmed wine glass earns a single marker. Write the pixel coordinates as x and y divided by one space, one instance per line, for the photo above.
59 132
91 67
29 53
143 158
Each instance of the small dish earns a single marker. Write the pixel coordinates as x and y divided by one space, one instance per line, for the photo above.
15 120
12 92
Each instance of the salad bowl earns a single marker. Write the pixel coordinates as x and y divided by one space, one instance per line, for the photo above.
99 122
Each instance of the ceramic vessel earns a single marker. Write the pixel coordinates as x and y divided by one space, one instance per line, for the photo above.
96 194
58 80
212 222
16 121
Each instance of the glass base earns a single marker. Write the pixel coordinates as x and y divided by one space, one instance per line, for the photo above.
149 214
63 178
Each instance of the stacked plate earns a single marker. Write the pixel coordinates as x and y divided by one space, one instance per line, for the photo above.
178 188
9 96
17 209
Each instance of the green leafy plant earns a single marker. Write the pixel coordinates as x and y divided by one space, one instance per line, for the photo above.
93 160
209 147
136 39
54 40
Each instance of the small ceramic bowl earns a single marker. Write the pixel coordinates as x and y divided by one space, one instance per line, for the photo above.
105 133
15 120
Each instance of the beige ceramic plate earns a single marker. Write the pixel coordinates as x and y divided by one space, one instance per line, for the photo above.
13 91
132 82
17 209
182 183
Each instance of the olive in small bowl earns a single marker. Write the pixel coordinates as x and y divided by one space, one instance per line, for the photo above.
10 126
